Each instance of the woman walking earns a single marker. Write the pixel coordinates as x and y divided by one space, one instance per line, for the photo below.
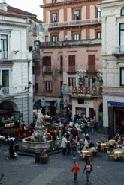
88 169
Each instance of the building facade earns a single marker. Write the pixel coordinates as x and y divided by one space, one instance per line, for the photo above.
73 43
113 65
15 65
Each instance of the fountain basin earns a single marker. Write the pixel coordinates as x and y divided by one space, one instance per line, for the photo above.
34 146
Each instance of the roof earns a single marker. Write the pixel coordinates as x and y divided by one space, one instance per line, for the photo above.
15 12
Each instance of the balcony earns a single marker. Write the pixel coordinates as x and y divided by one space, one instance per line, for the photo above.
47 70
119 51
71 69
13 91
70 43
15 55
74 23
86 92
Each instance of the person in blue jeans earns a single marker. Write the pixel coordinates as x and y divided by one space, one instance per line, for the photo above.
88 169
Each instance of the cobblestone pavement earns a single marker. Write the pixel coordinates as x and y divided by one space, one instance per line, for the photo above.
58 171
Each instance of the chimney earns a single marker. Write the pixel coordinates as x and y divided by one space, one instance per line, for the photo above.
3 5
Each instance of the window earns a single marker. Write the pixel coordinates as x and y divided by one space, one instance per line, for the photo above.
48 86
122 76
47 64
36 87
121 37
98 35
71 81
3 46
76 15
122 11
61 63
80 101
76 36
91 63
33 70
47 61
54 17
54 38
4 77
71 63
98 14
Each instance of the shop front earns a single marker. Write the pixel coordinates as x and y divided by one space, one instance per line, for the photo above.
115 117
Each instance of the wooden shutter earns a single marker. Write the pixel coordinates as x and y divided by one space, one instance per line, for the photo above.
91 63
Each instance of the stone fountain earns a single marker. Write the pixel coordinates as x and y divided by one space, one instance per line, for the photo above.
39 139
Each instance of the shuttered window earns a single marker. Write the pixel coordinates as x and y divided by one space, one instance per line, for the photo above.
91 63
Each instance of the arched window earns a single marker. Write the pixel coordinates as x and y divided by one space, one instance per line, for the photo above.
122 11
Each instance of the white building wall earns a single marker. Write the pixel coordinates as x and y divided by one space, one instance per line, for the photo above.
20 65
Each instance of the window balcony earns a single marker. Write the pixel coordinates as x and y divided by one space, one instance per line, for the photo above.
119 51
86 92
69 43
13 91
47 70
15 55
74 23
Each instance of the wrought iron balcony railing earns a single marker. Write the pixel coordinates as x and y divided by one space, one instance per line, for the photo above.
85 91
69 43
75 23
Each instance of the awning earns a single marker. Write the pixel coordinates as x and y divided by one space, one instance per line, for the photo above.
115 103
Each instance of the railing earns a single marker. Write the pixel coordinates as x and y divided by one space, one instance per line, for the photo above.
119 50
74 23
15 55
49 3
47 69
86 91
3 54
71 43
14 90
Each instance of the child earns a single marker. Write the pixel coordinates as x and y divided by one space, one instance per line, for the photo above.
75 170
88 169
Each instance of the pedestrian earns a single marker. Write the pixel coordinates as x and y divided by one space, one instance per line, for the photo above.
75 170
63 144
88 169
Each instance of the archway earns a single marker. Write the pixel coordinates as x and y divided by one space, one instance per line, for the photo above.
8 110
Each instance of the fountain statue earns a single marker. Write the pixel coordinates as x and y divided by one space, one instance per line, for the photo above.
39 139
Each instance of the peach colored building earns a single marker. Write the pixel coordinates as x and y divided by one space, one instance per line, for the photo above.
73 44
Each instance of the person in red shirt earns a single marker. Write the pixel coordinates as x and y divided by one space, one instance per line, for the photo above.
75 170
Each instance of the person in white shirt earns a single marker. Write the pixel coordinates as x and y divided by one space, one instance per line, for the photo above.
63 145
